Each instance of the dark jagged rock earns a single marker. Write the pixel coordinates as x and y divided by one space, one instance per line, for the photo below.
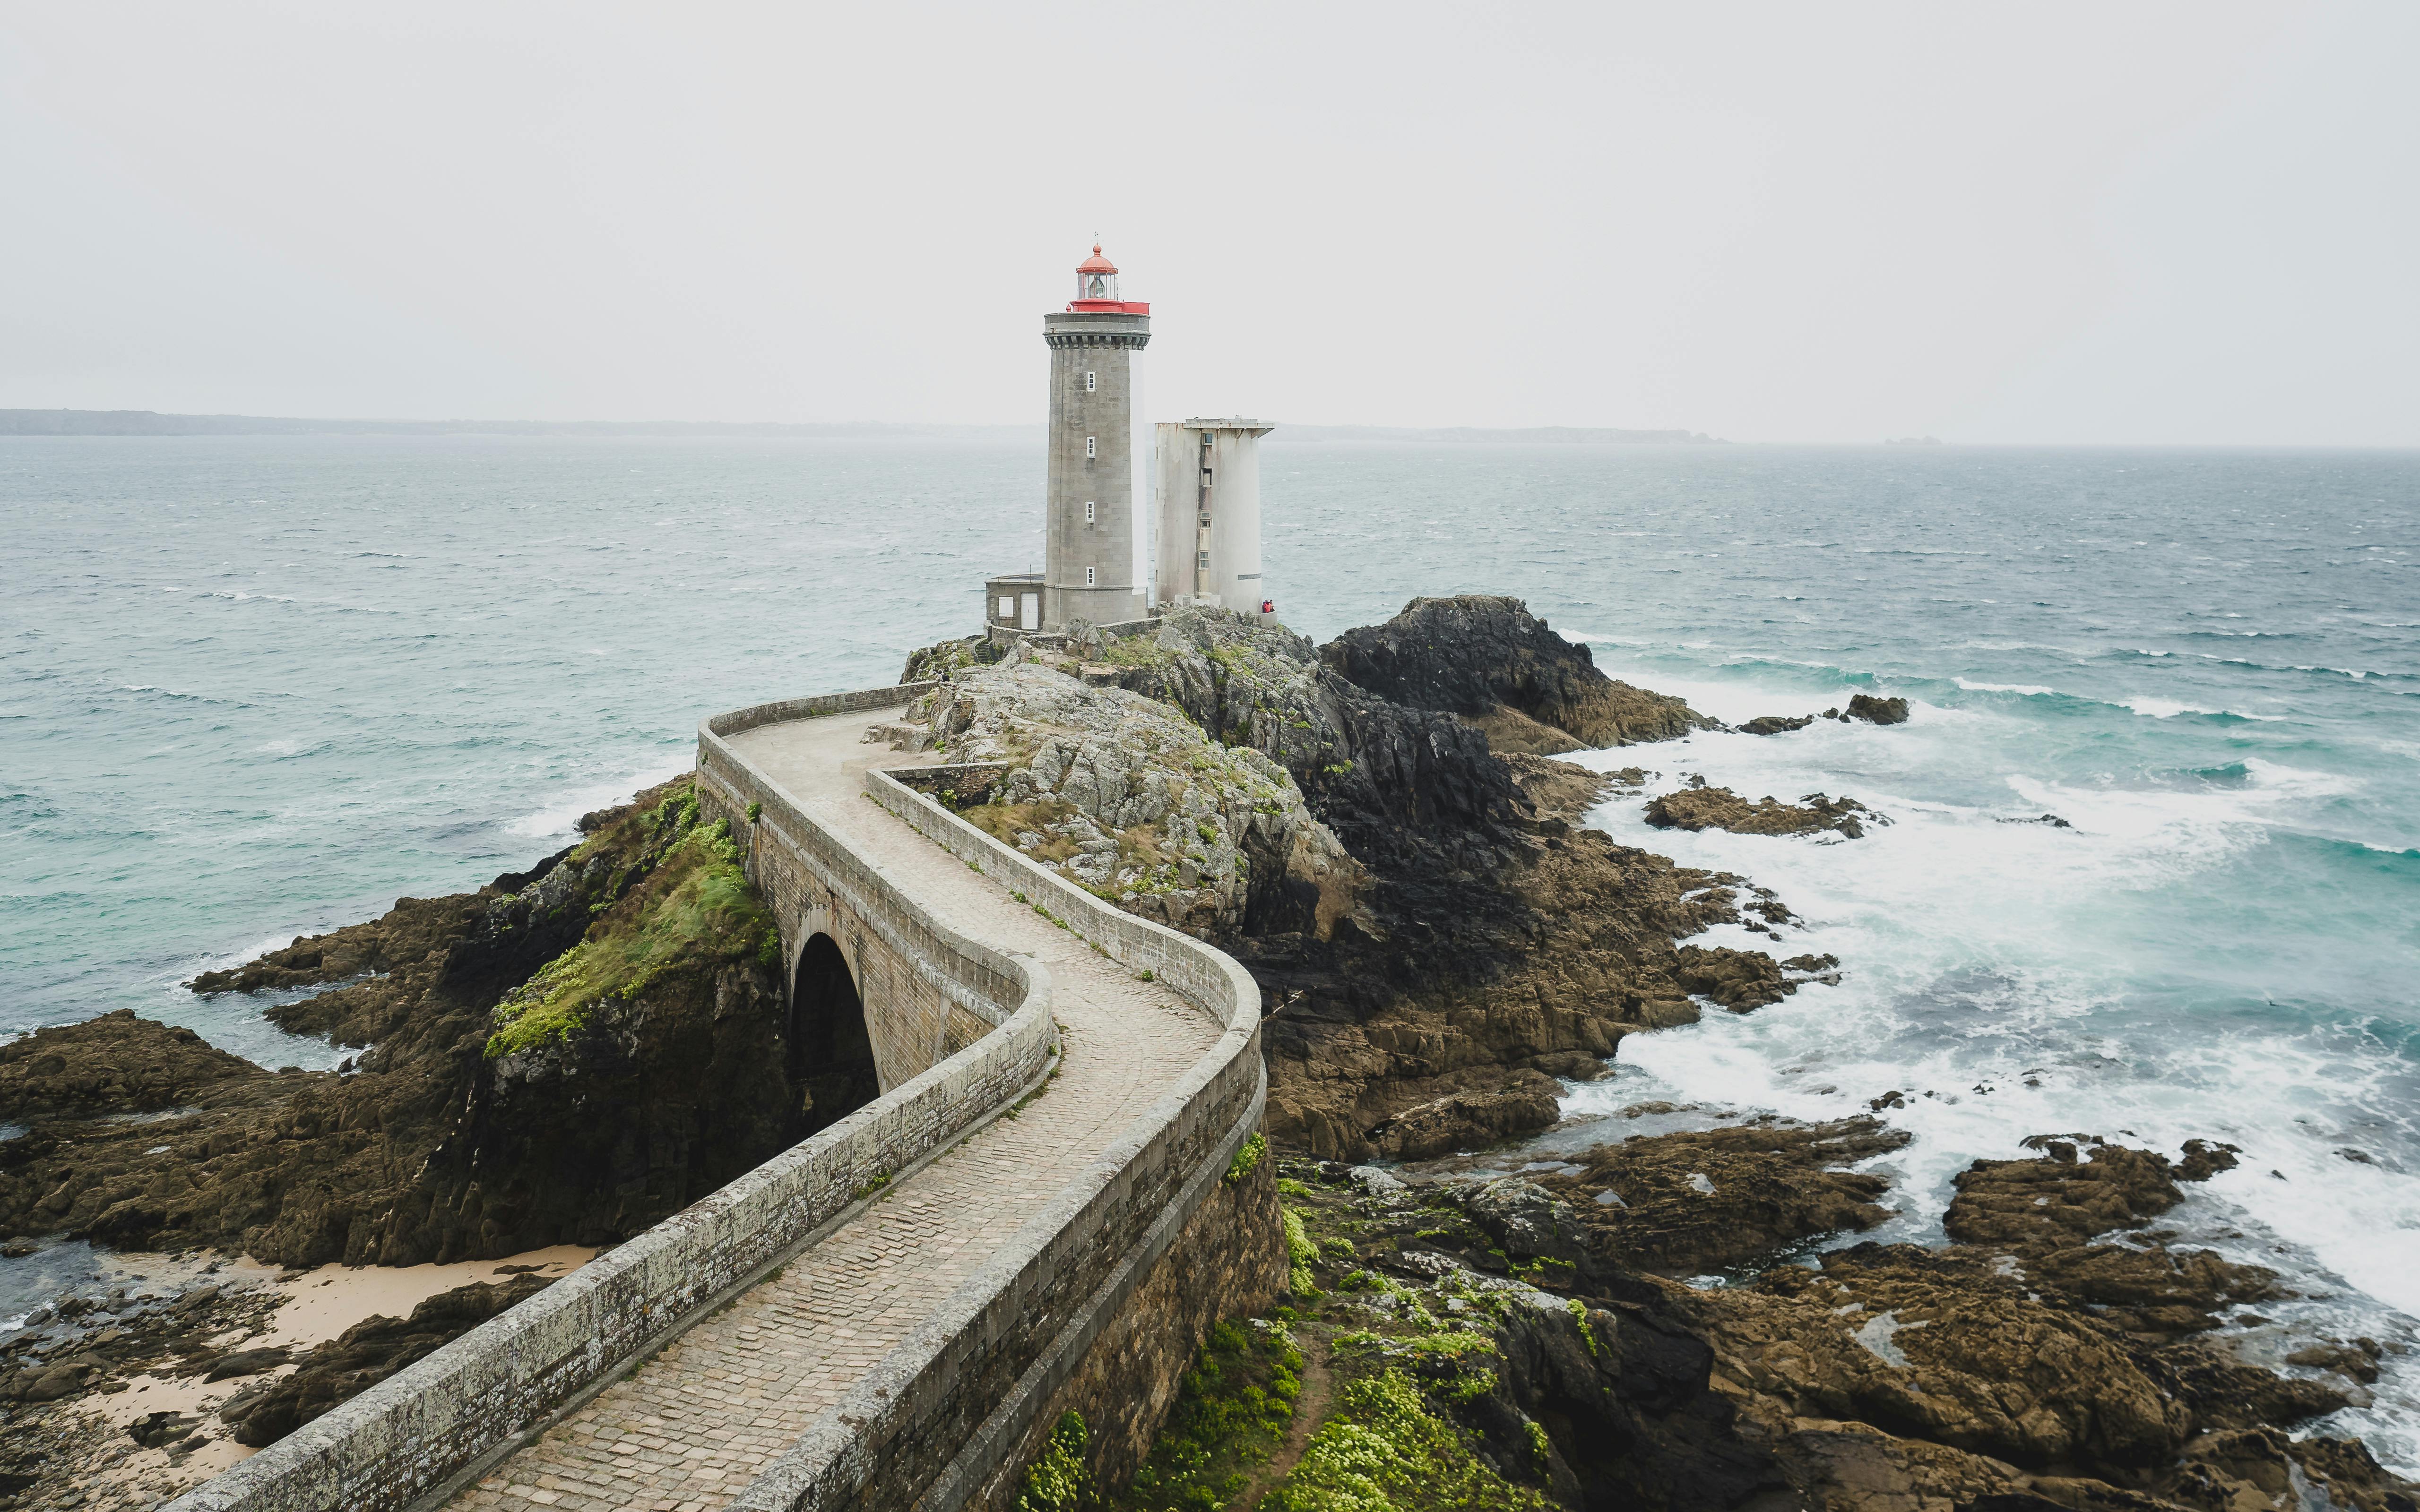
115 1063
1476 653
1891 1378
1775 724
432 1150
1683 1204
364 1355
1498 943
1877 711
2044 1211
1701 807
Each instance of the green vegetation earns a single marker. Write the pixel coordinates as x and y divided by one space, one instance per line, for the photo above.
1301 1252
1383 1450
1417 1419
1248 1157
691 906
1230 1415
1580 1318
1055 1481
755 811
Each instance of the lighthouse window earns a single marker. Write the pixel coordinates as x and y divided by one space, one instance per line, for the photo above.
1091 381
1091 447
1088 579
1091 505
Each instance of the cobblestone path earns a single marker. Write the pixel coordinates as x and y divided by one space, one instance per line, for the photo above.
693 1425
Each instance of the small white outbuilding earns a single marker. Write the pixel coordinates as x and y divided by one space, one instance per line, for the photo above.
1209 515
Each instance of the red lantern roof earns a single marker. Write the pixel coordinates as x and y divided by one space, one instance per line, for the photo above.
1096 263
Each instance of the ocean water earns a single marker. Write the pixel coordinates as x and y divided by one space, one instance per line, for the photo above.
256 687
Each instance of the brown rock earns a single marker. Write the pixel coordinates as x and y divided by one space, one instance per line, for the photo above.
115 1063
1681 1204
365 1354
1694 808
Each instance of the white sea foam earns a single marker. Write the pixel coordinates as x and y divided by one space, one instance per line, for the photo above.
559 817
2010 978
2170 709
2030 689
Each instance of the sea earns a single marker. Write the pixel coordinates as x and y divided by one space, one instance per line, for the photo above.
253 687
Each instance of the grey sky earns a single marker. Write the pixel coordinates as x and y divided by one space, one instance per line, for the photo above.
2048 221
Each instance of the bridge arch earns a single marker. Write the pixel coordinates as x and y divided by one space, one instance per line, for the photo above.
829 1052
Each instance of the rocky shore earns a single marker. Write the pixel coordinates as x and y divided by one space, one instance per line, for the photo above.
1438 939
1507 1340
1377 828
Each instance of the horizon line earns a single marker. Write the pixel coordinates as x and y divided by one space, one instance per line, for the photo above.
132 422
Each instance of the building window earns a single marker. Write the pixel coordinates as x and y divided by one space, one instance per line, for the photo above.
1090 508
1007 608
1089 577
1091 381
1202 560
1091 447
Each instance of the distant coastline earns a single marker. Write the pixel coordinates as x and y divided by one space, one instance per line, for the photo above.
151 423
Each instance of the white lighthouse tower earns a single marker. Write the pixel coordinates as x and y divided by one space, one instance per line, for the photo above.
1099 485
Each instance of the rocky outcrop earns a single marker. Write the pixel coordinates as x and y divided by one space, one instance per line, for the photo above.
364 1355
1877 711
1685 1204
612 1099
1477 656
1889 1377
1133 801
1775 724
2042 1213
1705 808
1497 945
115 1063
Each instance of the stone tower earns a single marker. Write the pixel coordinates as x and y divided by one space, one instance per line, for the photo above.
1210 516
1094 564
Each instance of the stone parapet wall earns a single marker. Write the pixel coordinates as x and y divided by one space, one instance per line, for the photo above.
1097 1302
925 1000
437 1423
944 1421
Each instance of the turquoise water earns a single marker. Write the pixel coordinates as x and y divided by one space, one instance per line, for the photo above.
254 686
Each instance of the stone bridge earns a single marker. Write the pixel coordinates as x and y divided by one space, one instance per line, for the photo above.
1034 1213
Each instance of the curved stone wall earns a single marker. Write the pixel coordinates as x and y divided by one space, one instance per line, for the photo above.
941 1423
438 1422
945 1419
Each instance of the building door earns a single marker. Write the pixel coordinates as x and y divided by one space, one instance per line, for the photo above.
1029 611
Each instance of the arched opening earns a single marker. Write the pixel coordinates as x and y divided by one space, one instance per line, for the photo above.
830 1056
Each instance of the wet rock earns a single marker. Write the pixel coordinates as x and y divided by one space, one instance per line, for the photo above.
1877 711
1693 1202
2044 1211
1775 724
1508 1103
1706 808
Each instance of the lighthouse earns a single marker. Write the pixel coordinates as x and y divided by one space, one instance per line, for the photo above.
1099 483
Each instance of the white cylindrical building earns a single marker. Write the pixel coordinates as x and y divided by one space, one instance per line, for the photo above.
1209 497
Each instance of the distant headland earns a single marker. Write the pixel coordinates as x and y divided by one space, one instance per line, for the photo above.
153 423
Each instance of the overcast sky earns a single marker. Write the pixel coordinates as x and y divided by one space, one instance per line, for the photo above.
2187 223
